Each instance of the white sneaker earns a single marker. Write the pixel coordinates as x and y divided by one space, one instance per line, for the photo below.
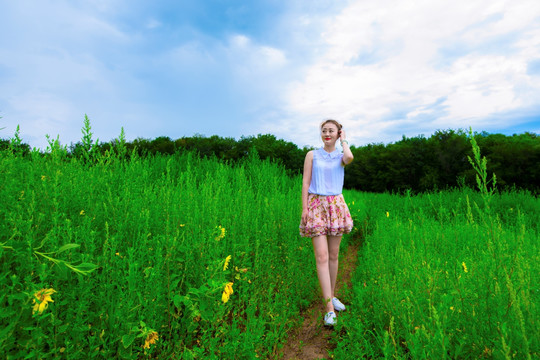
338 305
330 319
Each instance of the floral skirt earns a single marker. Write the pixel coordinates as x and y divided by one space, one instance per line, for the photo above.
328 215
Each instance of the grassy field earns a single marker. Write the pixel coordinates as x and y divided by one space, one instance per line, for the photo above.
180 257
440 276
144 249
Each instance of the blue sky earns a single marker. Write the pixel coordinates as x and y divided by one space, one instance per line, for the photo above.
178 68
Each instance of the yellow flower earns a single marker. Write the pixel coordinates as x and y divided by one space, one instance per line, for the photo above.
43 177
82 212
43 297
464 267
227 292
452 308
221 234
387 214
227 260
150 339
182 225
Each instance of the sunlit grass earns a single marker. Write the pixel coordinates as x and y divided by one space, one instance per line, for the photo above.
140 252
116 256
446 275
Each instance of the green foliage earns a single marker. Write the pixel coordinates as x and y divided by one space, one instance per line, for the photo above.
151 234
479 165
441 162
188 257
448 275
417 164
15 145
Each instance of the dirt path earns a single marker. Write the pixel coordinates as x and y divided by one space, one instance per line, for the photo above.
311 341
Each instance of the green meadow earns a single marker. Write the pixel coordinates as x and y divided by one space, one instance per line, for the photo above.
445 275
182 257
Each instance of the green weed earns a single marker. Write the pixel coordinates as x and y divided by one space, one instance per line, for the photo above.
446 275
135 251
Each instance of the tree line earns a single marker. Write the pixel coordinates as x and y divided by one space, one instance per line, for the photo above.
417 164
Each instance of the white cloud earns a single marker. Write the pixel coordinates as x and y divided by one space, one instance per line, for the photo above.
240 41
254 57
238 55
58 65
382 67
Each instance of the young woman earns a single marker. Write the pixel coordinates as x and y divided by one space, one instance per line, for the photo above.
325 215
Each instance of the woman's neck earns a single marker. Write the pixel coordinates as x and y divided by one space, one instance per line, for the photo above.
329 148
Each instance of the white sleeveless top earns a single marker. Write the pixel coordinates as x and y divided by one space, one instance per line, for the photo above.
327 173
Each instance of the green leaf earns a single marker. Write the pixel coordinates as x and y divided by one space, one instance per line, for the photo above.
127 340
177 300
85 268
62 271
67 247
7 313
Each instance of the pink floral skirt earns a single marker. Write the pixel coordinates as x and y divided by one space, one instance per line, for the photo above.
328 215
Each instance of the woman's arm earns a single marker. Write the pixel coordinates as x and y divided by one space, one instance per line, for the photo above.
306 181
347 154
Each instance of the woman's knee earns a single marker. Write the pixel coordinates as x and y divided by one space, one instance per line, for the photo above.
321 257
333 255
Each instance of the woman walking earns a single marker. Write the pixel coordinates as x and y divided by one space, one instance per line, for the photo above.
325 215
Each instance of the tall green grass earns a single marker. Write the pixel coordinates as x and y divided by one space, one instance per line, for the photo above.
137 248
140 253
446 275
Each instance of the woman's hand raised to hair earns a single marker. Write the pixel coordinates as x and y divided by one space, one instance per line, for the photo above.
347 154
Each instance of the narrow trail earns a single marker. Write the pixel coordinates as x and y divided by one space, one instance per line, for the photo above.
312 340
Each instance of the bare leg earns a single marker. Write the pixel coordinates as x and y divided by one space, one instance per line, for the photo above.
333 256
320 247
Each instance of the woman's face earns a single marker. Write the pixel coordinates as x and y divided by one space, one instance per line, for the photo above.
329 133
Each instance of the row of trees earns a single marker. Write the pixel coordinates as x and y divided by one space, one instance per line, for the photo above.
441 161
417 164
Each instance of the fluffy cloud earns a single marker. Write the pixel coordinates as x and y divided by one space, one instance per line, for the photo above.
391 67
53 70
383 68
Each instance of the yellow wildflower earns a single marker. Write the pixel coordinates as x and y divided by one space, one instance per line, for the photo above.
221 233
43 177
464 267
227 292
43 297
150 339
82 212
227 260
387 214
